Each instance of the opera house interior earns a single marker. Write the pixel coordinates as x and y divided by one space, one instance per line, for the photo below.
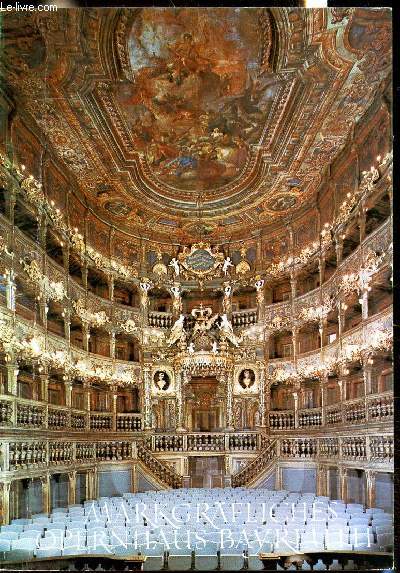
196 289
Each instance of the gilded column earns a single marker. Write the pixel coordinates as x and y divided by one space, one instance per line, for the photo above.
229 402
296 409
259 284
148 422
262 399
179 378
114 390
144 299
68 391
86 387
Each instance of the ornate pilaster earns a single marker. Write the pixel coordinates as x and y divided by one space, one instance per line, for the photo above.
112 344
114 395
323 389
148 422
86 387
179 402
68 391
296 409
12 378
10 291
145 286
229 402
321 485
339 249
227 300
46 493
177 300
321 269
343 483
44 386
371 487
5 502
67 326
85 336
71 487
262 399
259 284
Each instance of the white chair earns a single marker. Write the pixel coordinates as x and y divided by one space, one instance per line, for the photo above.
231 558
47 552
206 558
12 527
319 566
155 557
180 559
335 566
5 545
9 535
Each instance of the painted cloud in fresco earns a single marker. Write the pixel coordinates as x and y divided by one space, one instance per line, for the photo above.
199 95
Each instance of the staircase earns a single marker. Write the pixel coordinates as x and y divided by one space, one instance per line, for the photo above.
158 470
257 468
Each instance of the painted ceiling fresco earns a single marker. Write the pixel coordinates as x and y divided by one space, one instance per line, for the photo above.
200 94
176 124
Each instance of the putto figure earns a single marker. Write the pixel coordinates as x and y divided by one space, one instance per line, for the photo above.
227 330
227 264
175 265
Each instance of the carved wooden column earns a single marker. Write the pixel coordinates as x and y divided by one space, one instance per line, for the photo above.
114 394
321 269
179 381
10 290
85 336
71 487
342 393
5 502
343 483
296 409
112 344
85 275
42 232
10 200
262 400
46 501
323 390
67 326
361 221
321 479
339 249
148 422
12 378
44 386
68 391
259 284
86 387
371 487
229 402
144 300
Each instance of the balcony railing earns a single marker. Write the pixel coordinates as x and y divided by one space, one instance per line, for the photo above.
244 318
30 414
160 319
213 442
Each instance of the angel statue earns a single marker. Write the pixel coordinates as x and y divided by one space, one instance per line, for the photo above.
177 331
227 330
227 264
191 348
175 264
215 347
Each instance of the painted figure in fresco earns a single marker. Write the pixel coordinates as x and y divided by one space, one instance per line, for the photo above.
177 331
246 378
161 380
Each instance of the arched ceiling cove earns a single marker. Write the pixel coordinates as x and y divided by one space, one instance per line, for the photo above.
191 122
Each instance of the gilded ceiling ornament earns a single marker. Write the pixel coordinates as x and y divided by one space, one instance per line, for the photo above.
200 260
160 268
